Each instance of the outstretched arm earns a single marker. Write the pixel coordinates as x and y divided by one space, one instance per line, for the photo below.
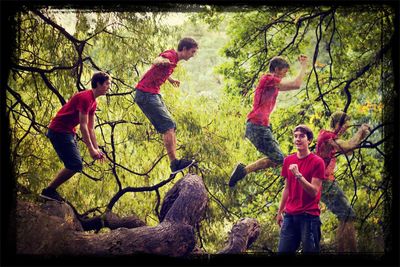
296 83
161 61
346 146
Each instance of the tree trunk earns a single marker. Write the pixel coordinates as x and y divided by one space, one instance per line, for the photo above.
41 232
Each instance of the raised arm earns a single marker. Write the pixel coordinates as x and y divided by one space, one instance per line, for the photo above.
311 188
346 146
296 82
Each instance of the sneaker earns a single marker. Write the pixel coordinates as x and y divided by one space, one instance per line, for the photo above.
51 194
238 174
178 165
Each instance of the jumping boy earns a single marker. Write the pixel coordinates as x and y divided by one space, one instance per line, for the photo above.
304 173
258 129
80 109
329 143
149 100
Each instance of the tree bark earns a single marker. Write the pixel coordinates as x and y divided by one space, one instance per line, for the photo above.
186 201
242 235
46 231
112 221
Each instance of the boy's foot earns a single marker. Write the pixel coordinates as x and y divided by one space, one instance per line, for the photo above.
238 174
51 194
178 165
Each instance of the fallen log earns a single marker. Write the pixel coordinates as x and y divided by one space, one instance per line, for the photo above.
54 229
40 232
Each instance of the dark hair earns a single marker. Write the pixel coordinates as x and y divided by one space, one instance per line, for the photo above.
305 130
339 117
277 62
99 77
188 43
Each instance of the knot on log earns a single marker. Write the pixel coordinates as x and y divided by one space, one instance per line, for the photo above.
113 221
242 235
185 202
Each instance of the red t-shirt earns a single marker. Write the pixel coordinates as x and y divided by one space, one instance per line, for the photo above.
327 152
158 74
299 201
264 99
67 117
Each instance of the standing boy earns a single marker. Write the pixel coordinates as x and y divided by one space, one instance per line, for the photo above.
304 173
80 109
329 143
149 100
258 129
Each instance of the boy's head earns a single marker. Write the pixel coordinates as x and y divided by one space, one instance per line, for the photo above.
303 130
187 47
339 121
278 66
101 81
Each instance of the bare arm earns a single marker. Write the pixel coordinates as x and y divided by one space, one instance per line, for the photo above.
84 126
296 82
161 61
174 82
311 188
346 146
91 132
285 195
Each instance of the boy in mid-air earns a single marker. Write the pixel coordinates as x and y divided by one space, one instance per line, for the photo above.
149 100
258 129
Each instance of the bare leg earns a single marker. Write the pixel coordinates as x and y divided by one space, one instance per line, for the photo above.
259 165
169 138
61 177
346 237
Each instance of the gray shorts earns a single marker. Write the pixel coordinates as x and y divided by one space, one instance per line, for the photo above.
336 201
155 110
262 138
